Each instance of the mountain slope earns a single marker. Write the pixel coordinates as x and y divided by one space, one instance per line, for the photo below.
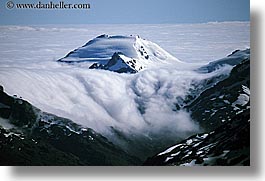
122 54
227 98
223 111
235 58
225 146
19 149
26 130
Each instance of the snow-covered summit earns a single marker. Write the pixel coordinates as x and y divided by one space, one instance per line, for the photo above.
128 54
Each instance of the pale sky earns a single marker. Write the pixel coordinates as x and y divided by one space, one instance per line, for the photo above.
130 12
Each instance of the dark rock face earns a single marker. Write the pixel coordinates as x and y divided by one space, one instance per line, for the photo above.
225 146
219 103
117 64
39 138
19 149
223 111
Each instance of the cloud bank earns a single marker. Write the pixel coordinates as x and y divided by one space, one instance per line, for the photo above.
135 104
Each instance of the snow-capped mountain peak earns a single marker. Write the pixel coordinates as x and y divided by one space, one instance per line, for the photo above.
128 54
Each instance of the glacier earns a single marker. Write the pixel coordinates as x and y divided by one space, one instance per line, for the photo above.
122 54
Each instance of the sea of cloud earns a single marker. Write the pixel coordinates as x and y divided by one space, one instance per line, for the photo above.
142 103
136 104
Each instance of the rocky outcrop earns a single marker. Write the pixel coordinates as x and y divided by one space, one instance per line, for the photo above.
223 111
29 136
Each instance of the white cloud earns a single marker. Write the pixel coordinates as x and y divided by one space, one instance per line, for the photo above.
102 99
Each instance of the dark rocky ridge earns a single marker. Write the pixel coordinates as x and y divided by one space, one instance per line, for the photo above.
116 60
225 146
39 138
216 104
235 58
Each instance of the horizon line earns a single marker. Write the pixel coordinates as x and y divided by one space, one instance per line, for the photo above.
209 22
